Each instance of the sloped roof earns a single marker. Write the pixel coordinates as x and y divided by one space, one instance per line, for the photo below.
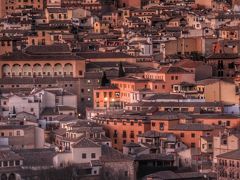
192 127
85 143
37 157
112 155
187 63
7 155
235 155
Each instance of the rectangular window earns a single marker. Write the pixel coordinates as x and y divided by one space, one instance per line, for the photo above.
93 155
115 133
5 163
105 94
17 163
228 123
18 133
132 134
105 104
193 145
84 155
182 135
11 163
193 135
161 126
124 134
97 94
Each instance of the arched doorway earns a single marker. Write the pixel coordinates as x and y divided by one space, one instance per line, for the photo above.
4 176
12 176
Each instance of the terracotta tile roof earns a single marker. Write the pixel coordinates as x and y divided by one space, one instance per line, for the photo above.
37 157
173 70
164 96
65 108
222 56
235 155
153 134
85 143
57 10
177 104
105 55
112 155
49 49
192 127
170 175
162 157
7 155
189 63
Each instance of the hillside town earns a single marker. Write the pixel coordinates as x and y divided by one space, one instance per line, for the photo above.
119 89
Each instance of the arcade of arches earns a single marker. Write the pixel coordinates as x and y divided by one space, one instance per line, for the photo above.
41 69
5 176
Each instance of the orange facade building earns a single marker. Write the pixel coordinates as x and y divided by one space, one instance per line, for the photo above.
127 85
123 129
228 121
170 75
188 133
106 97
34 63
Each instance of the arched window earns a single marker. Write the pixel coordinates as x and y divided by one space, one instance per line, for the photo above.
6 70
16 70
47 70
27 70
68 69
58 69
37 70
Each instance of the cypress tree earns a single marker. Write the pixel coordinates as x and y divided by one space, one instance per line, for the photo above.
121 72
104 80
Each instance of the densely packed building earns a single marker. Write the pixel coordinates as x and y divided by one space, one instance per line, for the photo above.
119 89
